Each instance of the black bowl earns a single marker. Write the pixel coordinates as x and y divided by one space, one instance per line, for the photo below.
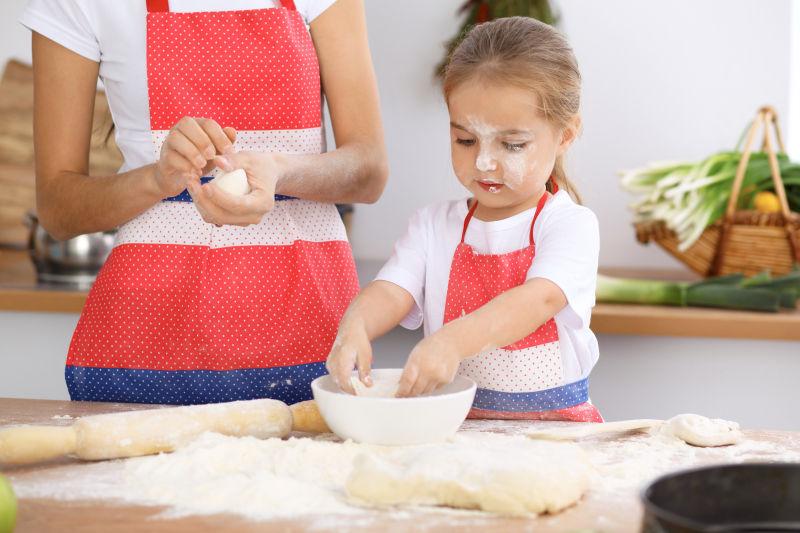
741 497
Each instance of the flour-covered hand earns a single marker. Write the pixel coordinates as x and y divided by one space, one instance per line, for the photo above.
433 362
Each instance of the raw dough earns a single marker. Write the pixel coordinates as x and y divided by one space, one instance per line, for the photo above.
699 430
504 475
381 388
234 183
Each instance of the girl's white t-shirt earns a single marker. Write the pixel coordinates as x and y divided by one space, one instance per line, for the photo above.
113 33
567 247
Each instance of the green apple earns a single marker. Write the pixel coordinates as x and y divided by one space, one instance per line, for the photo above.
8 506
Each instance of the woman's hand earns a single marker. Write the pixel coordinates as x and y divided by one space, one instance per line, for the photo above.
351 348
433 362
219 207
185 155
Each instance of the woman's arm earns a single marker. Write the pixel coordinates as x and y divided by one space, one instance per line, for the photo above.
377 309
69 201
507 318
356 171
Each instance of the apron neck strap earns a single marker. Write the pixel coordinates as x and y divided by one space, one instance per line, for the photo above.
539 207
162 6
468 218
157 6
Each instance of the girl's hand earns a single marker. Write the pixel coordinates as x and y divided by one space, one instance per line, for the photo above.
218 207
351 348
433 362
186 153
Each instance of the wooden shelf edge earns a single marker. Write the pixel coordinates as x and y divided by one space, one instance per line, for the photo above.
40 301
621 319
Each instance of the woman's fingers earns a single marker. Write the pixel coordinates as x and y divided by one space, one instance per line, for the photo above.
231 133
222 143
178 142
206 135
192 130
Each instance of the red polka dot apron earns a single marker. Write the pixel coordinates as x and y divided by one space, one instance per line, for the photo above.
184 312
523 380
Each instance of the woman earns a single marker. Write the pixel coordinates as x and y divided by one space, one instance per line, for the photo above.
207 297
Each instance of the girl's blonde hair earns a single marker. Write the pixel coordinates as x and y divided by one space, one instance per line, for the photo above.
529 54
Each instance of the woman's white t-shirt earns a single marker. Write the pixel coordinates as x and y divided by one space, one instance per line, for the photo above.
113 33
567 247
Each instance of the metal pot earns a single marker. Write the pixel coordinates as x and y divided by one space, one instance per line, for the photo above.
74 261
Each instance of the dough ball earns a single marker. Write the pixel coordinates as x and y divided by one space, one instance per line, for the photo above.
234 183
699 430
503 475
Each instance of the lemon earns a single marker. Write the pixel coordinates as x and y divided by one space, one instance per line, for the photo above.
767 202
8 506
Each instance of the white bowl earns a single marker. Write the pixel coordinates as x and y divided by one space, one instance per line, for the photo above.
394 421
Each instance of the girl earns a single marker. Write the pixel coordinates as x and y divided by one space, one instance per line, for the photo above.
504 281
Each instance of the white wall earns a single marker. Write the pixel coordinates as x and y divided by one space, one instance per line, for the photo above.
662 80
15 40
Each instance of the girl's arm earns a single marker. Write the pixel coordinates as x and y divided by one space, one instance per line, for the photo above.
377 309
509 317
357 170
70 202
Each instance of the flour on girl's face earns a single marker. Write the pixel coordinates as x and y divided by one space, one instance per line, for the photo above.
491 152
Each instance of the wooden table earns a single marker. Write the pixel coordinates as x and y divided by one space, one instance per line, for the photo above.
41 515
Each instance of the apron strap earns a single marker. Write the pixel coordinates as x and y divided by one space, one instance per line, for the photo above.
162 6
539 207
468 218
553 184
157 6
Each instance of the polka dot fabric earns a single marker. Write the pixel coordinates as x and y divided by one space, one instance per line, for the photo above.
526 378
288 222
189 307
300 141
288 384
184 312
252 70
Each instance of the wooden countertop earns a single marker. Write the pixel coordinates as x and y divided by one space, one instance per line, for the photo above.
593 512
19 291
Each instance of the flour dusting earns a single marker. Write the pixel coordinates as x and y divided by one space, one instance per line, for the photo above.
305 477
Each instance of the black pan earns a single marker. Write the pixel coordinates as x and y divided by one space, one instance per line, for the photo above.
731 498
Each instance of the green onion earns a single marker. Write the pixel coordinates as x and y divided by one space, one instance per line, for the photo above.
689 197
758 293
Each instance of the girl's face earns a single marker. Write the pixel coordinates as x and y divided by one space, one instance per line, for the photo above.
503 149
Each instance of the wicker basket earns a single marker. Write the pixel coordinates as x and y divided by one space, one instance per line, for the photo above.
743 241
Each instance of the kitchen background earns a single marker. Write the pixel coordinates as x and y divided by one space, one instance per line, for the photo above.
662 81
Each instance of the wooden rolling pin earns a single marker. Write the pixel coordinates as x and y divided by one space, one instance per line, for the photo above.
152 431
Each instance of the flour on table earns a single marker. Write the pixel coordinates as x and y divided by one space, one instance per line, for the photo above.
699 430
502 475
308 478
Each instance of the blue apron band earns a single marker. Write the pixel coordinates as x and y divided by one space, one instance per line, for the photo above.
528 402
290 384
186 197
